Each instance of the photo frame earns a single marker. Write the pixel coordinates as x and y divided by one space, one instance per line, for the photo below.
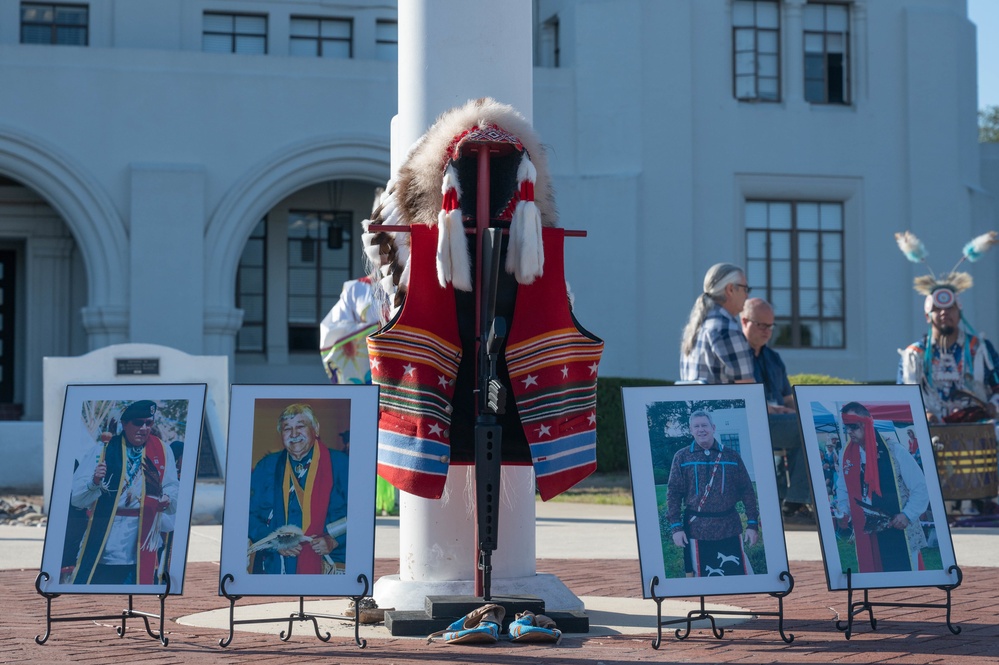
121 533
658 423
270 450
884 554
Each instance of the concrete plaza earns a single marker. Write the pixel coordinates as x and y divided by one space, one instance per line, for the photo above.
591 548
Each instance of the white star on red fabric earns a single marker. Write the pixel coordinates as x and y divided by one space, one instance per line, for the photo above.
593 368
592 418
435 429
565 371
409 369
544 430
375 363
442 380
531 380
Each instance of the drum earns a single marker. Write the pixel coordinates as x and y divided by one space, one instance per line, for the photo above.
965 456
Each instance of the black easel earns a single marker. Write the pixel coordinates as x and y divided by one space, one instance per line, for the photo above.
867 606
125 614
702 613
300 615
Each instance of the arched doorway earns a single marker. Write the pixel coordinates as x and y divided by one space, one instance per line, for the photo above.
40 264
287 200
290 274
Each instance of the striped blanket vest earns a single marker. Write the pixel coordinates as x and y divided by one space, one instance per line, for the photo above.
552 365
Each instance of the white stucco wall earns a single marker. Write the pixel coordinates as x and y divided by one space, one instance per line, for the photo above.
654 157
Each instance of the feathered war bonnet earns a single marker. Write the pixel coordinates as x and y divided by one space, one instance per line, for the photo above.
436 185
941 291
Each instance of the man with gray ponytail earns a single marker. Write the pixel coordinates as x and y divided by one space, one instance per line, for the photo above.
714 348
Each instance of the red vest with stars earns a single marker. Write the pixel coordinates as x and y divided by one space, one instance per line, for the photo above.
552 365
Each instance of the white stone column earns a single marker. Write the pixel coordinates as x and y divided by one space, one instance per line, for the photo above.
451 51
105 325
166 246
221 326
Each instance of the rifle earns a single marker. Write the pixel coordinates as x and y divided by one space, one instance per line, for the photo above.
491 402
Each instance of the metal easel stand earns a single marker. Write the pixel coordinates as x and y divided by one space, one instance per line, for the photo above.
125 614
300 615
866 605
702 613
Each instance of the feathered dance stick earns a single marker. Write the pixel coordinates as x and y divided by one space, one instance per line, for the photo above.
977 247
913 248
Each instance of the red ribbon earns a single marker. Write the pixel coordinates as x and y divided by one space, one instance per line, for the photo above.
871 476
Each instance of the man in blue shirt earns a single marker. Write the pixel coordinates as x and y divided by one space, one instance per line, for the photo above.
768 368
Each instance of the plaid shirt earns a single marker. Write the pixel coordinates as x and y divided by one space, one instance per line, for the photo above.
721 353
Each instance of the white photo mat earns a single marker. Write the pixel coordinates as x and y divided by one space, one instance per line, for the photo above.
740 414
895 410
253 419
88 412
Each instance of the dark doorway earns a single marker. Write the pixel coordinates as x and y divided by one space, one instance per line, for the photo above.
8 273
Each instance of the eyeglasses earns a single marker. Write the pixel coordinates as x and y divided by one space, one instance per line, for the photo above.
748 288
765 326
147 422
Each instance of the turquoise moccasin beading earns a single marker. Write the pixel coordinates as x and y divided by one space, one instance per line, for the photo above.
481 626
530 627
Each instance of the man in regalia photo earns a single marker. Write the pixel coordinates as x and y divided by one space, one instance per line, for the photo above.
298 502
882 491
706 481
125 485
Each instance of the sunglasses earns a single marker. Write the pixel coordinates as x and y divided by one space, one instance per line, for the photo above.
142 422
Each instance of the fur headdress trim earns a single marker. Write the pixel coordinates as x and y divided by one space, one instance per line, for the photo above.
425 198
453 264
426 191
525 258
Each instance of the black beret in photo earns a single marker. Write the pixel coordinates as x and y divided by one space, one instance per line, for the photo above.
141 409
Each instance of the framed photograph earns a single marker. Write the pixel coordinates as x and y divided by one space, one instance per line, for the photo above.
123 490
877 496
705 490
300 490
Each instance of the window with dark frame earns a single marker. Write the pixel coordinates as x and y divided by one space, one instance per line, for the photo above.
794 259
251 292
827 42
321 37
731 441
387 40
320 260
43 23
756 50
548 44
234 33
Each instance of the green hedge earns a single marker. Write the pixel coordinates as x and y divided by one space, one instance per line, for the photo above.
612 445
817 380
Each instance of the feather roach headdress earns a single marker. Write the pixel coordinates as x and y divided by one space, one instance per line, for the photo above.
436 186
941 291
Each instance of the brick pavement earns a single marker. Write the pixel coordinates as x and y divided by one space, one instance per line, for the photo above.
903 635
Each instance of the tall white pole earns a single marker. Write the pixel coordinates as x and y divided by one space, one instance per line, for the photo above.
451 51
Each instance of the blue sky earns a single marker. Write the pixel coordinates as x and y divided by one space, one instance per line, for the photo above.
985 14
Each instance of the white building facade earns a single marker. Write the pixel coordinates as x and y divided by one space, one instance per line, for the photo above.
193 173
